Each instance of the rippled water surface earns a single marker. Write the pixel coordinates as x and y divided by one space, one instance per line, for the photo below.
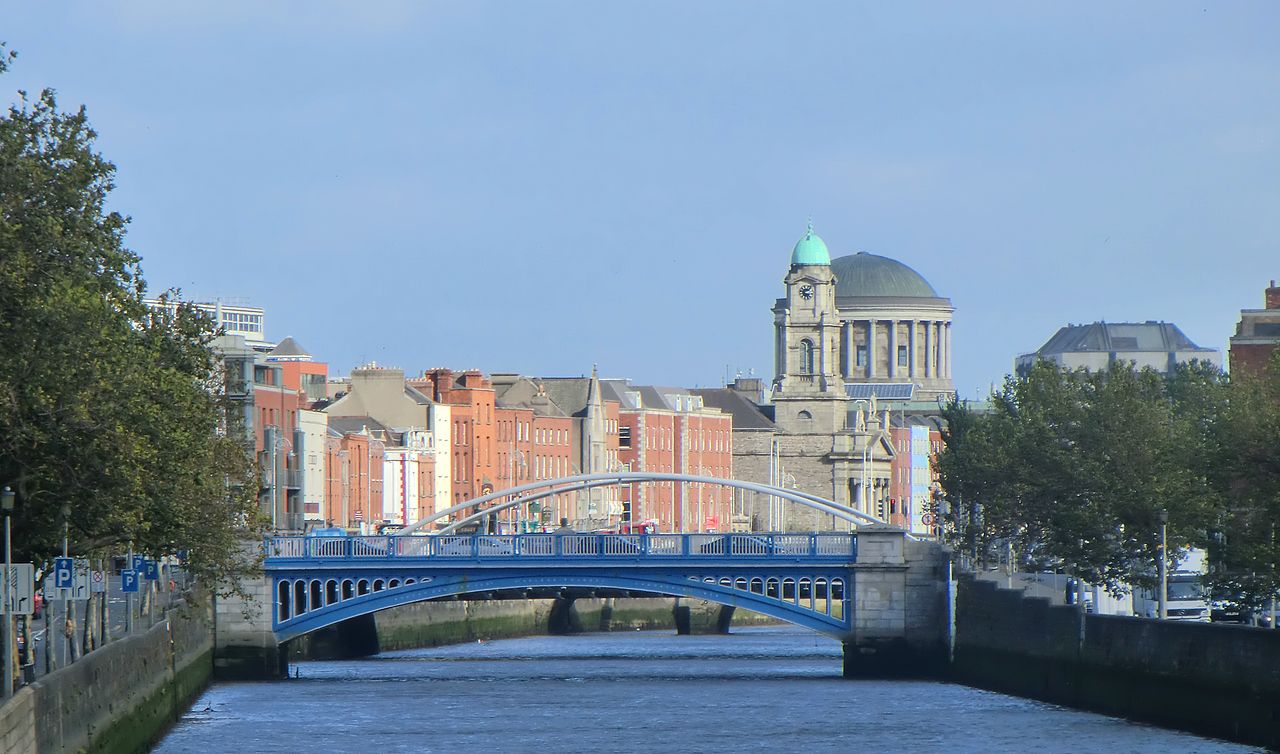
771 689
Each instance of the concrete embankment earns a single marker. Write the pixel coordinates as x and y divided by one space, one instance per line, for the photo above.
1210 679
118 699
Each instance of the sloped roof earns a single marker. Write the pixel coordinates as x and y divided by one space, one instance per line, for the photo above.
744 413
355 424
569 393
1119 336
288 347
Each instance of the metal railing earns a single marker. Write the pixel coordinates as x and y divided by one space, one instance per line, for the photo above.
532 547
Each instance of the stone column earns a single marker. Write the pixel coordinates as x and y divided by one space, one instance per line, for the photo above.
913 367
871 348
779 350
850 362
893 349
928 349
946 358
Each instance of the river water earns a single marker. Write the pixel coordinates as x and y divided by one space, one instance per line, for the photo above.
760 689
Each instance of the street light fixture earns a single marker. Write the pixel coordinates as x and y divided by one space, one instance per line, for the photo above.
1162 596
6 502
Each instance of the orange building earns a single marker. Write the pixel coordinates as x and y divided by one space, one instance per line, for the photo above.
354 459
471 398
670 430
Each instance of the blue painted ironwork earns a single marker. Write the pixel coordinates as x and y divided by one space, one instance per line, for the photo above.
800 578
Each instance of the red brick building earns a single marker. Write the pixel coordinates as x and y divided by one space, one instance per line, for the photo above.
353 475
1257 335
472 401
671 430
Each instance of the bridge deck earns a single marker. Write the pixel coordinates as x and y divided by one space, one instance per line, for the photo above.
535 550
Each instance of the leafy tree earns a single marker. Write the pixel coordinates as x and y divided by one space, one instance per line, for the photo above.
1072 467
1247 551
109 411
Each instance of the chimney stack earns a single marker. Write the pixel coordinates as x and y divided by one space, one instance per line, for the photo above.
1273 296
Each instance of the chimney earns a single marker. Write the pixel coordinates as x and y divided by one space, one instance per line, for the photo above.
1273 296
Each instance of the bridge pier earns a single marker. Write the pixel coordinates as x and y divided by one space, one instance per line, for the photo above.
244 646
897 608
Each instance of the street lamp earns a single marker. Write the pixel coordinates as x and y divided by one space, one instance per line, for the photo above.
6 502
1162 597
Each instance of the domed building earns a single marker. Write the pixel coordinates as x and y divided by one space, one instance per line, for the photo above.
861 325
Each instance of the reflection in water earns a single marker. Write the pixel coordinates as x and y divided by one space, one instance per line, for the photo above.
772 689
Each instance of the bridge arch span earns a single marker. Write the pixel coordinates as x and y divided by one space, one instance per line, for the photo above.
818 600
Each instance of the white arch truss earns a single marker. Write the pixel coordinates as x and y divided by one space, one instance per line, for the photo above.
548 487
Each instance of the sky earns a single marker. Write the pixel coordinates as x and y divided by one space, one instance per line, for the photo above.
540 187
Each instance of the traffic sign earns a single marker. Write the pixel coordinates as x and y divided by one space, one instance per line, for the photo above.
128 581
927 519
21 579
98 581
139 563
80 589
64 574
151 570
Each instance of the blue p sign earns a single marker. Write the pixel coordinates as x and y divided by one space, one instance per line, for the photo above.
128 581
64 573
151 571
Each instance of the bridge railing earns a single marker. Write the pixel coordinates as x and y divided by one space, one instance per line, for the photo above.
534 547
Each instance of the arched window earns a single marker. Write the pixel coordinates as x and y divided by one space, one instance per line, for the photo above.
804 415
806 356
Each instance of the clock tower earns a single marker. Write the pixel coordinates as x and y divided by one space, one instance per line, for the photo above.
808 392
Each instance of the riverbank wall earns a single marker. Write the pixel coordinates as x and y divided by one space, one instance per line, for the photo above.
429 624
1211 679
118 699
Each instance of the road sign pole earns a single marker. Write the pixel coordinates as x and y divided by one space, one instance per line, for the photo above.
128 601
8 607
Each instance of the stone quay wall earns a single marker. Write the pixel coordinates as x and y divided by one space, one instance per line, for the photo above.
1211 679
120 698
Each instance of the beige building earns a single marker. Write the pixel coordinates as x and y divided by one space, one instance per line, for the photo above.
853 337
381 394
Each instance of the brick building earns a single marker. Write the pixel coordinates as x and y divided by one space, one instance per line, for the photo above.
1257 334
470 395
672 430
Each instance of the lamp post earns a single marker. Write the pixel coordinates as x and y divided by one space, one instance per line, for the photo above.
1162 571
6 501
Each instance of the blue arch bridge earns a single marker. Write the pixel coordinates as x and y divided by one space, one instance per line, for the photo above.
869 585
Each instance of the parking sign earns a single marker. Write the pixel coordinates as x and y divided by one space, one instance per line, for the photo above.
151 570
64 573
128 581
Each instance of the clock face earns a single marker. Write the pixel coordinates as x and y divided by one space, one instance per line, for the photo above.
806 292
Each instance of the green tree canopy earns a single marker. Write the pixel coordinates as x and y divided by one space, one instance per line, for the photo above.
109 411
1073 467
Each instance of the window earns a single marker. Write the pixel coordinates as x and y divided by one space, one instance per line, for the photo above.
861 356
902 356
624 437
806 356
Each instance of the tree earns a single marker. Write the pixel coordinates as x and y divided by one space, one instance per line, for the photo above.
1247 551
109 411
1072 467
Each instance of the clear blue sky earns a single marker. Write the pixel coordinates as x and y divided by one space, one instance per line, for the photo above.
538 187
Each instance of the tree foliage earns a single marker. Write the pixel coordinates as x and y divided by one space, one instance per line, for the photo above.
1073 468
109 410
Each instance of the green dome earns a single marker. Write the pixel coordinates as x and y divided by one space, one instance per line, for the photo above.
864 274
810 249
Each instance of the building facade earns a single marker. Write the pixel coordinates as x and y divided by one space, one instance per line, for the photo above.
1257 334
